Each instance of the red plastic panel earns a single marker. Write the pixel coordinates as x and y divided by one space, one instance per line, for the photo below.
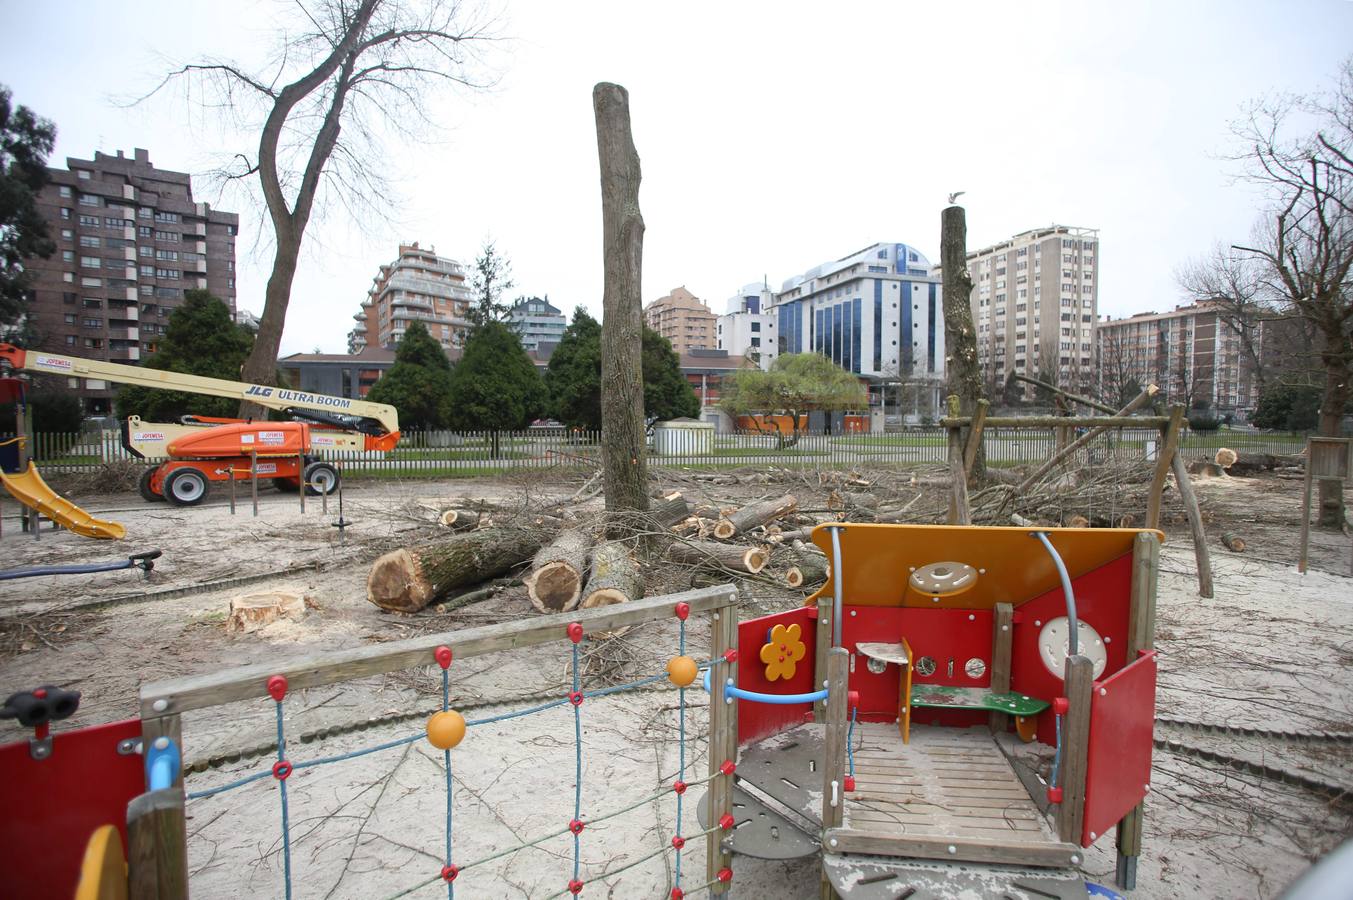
52 806
941 634
1103 599
1122 714
758 720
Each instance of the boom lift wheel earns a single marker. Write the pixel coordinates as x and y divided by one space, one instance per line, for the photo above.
186 487
320 478
146 492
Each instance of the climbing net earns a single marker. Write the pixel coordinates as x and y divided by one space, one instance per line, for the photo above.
446 729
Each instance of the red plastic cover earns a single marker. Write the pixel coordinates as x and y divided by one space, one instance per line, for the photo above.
758 720
1118 772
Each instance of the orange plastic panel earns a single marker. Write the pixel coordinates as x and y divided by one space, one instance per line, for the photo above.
263 438
876 561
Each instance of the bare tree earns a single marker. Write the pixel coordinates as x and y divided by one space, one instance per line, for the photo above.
962 371
349 71
1232 285
1305 244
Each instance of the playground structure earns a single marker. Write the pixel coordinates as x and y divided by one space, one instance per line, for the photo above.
200 450
883 724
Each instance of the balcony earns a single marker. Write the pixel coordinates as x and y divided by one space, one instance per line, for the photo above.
130 354
198 229
123 333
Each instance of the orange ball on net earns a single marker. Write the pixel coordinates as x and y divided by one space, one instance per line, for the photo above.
446 729
681 670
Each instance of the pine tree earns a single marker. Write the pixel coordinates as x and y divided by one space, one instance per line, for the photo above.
418 385
495 385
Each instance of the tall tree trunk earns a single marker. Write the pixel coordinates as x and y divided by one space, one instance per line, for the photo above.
623 459
1337 355
963 375
261 366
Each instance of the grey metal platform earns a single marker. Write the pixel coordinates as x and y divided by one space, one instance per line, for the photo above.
760 831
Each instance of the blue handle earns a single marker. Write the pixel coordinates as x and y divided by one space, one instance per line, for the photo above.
774 699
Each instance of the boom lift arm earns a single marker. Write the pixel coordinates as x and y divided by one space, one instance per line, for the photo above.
375 419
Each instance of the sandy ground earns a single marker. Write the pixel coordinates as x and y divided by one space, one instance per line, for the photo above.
1273 650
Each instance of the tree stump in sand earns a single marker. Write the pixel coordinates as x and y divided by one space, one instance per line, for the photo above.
459 519
614 577
409 579
556 580
739 520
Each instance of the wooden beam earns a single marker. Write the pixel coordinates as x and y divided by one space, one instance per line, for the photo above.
979 418
823 645
250 682
1202 556
834 756
1074 398
849 840
723 740
1075 748
1169 442
1104 424
1002 642
1141 636
157 846
1122 420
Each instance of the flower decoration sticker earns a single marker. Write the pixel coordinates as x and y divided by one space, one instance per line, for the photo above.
783 653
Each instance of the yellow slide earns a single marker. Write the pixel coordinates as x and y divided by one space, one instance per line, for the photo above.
30 490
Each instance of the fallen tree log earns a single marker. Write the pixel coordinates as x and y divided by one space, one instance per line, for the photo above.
726 556
614 577
459 519
1234 542
739 520
669 510
1250 463
809 569
847 501
409 579
556 580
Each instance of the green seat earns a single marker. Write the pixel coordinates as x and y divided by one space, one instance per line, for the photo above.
933 696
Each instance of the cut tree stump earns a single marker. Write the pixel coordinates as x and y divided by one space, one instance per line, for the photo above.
557 572
1234 542
669 510
459 519
409 579
809 569
254 611
726 556
614 578
753 514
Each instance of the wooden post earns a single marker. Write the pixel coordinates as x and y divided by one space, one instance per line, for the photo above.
1002 641
1141 636
1201 554
1097 427
723 739
253 479
300 477
824 644
834 754
1075 747
157 846
1305 513
1169 442
979 418
623 439
231 472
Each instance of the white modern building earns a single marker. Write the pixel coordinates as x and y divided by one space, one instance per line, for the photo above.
749 327
876 312
536 321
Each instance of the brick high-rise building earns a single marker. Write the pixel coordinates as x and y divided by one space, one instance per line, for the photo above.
1034 302
130 240
683 319
418 286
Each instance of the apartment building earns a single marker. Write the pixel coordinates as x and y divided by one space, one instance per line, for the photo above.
130 240
537 321
1035 300
418 286
1192 353
683 319
876 312
749 328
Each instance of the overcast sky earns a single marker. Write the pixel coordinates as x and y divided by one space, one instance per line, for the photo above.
773 137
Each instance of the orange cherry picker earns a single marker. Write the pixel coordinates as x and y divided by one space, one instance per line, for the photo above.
190 454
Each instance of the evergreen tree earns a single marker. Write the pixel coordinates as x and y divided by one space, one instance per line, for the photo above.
495 386
201 339
491 278
418 385
25 142
574 377
1287 407
667 393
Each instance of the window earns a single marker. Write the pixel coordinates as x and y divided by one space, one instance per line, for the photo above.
70 318
115 222
756 342
145 231
167 273
171 255
146 290
87 240
883 254
93 303
65 191
756 326
91 200
145 252
94 343
89 221
92 323
70 340
67 234
230 283
167 293
232 230
91 262
83 174
145 213
167 217
147 271
65 213
68 256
